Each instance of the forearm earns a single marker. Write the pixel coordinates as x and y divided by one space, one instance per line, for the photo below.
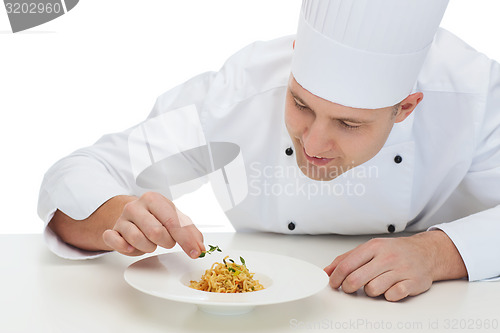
87 234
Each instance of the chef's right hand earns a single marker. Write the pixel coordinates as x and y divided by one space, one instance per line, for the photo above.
153 220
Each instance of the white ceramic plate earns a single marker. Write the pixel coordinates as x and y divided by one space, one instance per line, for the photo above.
284 278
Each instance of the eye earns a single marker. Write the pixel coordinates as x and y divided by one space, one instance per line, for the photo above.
348 126
300 106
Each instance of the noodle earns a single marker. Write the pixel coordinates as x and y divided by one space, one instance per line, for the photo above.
227 277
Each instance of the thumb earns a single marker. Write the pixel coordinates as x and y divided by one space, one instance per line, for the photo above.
190 239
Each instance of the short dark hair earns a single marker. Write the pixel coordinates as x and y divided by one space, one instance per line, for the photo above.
396 109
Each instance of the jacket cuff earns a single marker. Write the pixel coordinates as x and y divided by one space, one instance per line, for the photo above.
66 251
477 239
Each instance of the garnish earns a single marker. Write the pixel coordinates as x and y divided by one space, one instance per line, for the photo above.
227 277
233 267
212 249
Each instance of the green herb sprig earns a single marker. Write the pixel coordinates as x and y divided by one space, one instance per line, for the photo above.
212 249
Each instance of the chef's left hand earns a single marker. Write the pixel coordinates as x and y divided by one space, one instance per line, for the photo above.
397 267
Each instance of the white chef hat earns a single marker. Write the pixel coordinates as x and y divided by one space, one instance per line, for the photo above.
364 53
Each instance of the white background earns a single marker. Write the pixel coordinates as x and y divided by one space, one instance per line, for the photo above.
99 68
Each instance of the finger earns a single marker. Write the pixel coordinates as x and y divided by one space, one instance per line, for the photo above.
380 284
187 235
190 239
134 236
115 241
185 220
363 275
330 268
149 225
399 291
354 260
408 287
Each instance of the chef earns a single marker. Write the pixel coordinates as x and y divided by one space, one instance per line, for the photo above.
370 120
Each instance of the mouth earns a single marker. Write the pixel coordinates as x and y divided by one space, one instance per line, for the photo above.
317 160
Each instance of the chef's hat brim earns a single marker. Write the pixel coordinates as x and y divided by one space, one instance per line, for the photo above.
356 76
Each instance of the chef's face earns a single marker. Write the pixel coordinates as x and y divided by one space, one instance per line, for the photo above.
329 138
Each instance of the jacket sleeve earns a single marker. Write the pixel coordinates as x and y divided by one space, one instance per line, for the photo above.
477 237
81 182
115 165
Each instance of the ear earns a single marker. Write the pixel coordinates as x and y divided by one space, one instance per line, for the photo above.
407 106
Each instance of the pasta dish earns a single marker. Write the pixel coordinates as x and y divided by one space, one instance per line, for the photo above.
227 277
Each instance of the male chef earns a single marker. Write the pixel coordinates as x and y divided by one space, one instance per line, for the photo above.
369 120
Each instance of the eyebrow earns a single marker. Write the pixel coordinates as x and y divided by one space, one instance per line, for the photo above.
349 120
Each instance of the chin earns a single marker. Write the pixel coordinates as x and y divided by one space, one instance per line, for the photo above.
317 173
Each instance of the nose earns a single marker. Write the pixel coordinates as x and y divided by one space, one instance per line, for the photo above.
318 140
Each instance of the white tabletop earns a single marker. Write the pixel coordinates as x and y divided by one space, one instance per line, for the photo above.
43 293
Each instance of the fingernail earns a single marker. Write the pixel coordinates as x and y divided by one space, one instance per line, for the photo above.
194 254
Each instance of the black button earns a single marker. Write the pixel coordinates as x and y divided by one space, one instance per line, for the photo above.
289 151
291 226
398 159
391 228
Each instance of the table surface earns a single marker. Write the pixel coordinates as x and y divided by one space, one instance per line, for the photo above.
41 292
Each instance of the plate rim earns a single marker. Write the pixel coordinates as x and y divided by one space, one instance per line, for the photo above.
251 302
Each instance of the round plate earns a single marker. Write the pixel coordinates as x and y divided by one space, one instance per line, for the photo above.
284 278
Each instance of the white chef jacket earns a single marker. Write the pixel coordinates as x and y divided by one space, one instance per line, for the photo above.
440 168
